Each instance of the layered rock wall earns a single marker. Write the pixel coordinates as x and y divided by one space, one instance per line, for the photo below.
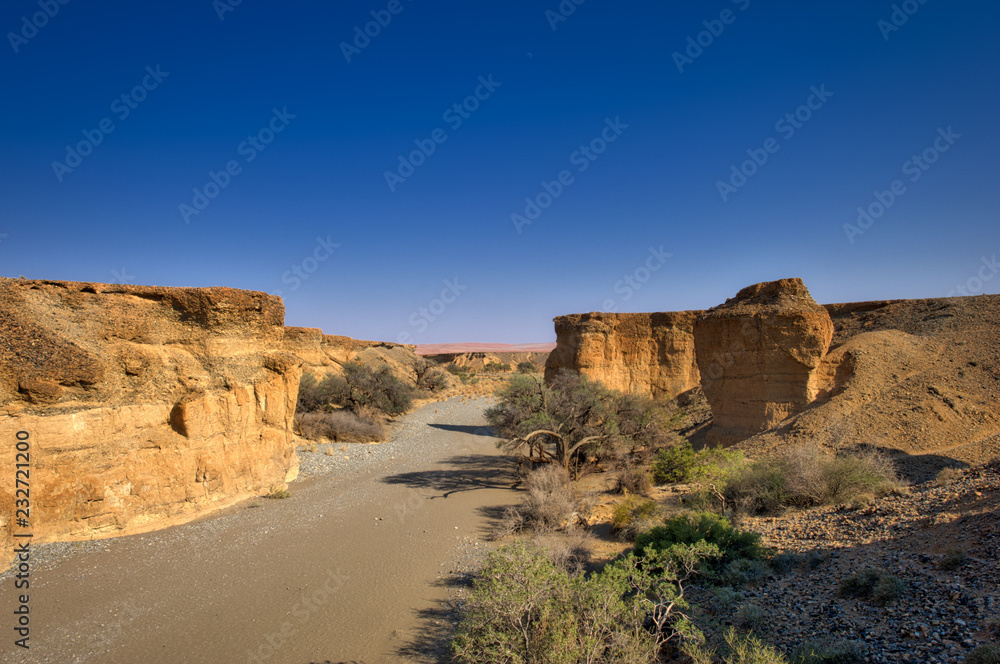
759 356
145 406
651 354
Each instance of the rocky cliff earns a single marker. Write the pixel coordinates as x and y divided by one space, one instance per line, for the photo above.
324 354
759 355
145 406
651 354
920 377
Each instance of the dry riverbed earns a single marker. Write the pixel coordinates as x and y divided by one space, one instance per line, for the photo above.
353 567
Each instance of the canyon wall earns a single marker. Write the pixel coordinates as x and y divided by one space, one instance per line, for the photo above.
143 406
759 355
651 354
324 354
916 376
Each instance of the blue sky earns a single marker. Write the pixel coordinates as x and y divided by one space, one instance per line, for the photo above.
626 124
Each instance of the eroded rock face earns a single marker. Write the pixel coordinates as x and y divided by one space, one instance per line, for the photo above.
651 354
145 406
324 354
759 355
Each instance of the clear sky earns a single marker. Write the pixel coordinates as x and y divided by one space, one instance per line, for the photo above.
670 153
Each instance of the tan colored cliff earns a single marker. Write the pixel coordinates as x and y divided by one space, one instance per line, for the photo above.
651 354
477 361
324 354
758 354
144 406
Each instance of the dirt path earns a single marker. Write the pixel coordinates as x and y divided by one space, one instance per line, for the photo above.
339 572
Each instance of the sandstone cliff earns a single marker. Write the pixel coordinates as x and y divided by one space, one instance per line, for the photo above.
651 354
145 406
477 361
758 354
324 354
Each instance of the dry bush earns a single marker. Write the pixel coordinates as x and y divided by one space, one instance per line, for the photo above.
948 476
805 476
549 503
633 479
571 551
341 426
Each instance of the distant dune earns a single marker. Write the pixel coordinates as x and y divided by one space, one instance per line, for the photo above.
438 349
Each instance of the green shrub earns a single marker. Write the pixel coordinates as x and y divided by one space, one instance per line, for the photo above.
746 649
681 464
829 651
525 367
706 527
744 571
633 515
429 377
376 388
497 367
987 653
524 609
751 617
320 395
586 420
874 584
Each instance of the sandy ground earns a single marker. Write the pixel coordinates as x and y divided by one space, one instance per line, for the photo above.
341 571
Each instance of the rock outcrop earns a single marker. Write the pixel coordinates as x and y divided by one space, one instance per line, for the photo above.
477 361
758 354
651 354
324 354
144 406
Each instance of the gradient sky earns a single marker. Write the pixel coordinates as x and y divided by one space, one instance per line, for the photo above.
895 93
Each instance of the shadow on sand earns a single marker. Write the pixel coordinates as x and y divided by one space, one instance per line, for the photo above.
461 473
466 428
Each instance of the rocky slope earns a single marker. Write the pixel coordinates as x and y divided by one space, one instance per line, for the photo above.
324 354
145 406
651 354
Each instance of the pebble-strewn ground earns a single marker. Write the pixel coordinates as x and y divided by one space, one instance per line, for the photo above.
942 613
